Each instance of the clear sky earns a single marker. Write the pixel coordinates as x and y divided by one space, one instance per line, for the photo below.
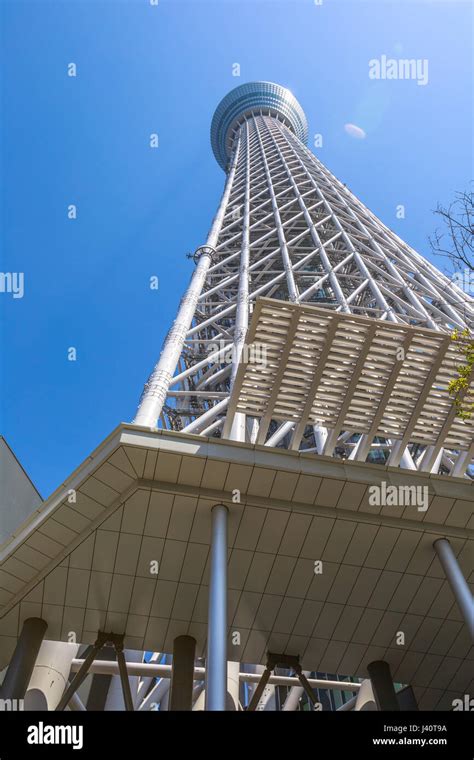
85 140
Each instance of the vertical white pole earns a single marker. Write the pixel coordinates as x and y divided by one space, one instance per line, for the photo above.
457 581
155 390
242 314
216 663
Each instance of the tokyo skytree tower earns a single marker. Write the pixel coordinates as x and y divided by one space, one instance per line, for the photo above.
287 229
306 503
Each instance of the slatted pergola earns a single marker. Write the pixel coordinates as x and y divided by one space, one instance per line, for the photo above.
310 366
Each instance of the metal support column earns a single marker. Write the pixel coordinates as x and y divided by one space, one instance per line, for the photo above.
182 675
24 657
99 691
156 388
382 686
82 672
284 660
457 581
127 694
216 667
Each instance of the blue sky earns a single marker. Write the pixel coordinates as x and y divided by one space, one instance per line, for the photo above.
84 140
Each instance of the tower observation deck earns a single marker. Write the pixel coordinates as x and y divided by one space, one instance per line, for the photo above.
243 103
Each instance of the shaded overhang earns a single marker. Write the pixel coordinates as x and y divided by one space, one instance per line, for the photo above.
86 559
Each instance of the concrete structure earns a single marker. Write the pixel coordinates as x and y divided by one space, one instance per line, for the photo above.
18 496
147 496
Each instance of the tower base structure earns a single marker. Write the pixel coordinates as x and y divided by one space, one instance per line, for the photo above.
315 569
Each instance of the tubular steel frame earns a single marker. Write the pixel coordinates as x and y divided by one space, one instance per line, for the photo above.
286 228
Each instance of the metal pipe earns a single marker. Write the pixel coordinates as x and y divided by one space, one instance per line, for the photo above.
349 705
242 314
76 704
256 696
206 417
292 700
216 671
157 693
457 581
115 700
316 683
127 694
237 432
156 388
213 426
280 433
164 671
102 687
81 674
365 700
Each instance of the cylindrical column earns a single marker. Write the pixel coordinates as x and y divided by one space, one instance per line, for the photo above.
292 701
216 666
365 700
24 657
242 311
156 388
382 686
50 675
182 675
457 581
238 429
157 385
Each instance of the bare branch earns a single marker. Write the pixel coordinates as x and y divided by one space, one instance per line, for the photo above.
456 239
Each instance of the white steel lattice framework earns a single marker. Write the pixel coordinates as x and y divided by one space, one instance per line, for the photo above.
287 229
